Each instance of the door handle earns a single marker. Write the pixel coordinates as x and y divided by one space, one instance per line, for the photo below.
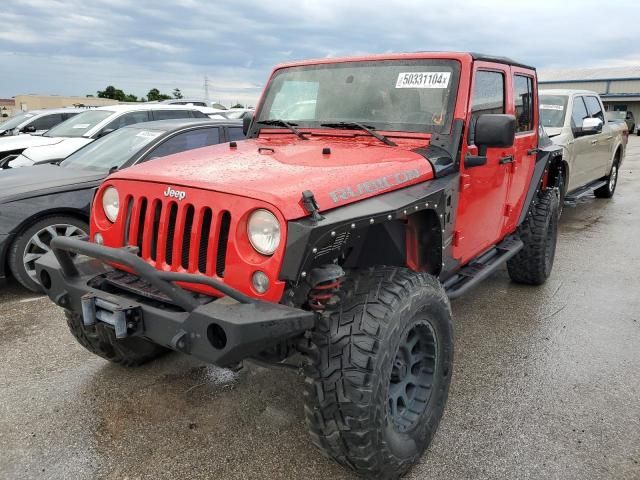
505 160
609 137
594 142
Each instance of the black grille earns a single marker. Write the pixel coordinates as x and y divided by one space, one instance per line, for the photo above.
223 239
171 229
141 222
204 240
178 235
157 211
186 236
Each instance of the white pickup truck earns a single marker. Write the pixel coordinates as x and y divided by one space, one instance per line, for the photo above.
593 148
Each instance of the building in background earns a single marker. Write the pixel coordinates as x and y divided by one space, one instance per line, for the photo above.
7 107
619 87
32 102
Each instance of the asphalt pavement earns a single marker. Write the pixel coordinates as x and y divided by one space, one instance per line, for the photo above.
546 383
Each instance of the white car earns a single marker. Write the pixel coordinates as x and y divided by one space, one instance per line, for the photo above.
238 113
67 137
36 122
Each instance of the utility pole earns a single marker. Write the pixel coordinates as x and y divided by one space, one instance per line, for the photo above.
206 89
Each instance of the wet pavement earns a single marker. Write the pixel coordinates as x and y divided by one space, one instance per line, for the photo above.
546 383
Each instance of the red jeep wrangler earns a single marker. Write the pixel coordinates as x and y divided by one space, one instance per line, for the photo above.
370 191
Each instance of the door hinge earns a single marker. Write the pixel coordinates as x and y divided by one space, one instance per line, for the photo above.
508 209
465 181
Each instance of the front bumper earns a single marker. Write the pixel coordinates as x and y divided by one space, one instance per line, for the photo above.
222 331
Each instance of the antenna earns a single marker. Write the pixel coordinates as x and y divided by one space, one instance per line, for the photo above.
206 89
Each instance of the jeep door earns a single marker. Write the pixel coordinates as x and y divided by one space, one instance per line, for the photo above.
483 189
523 104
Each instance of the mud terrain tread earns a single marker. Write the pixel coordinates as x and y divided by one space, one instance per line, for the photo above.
528 266
101 340
348 355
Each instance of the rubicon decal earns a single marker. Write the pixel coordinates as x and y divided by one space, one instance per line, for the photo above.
179 194
372 186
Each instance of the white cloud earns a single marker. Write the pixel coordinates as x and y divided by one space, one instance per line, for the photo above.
78 47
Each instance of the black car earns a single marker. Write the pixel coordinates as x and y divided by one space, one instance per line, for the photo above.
45 201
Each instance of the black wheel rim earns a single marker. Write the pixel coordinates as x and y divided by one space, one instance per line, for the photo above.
412 376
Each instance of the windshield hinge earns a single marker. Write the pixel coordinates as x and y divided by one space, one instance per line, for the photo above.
311 206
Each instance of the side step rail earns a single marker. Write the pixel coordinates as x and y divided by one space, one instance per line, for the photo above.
483 266
577 194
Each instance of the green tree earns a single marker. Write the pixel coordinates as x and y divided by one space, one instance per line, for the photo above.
238 105
155 95
112 93
177 93
116 94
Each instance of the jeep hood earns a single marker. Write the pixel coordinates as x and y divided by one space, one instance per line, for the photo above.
278 172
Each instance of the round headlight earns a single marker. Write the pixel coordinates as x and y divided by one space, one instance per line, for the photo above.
263 230
111 203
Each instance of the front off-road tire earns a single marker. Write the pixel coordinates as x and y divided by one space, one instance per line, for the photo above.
539 232
380 369
101 340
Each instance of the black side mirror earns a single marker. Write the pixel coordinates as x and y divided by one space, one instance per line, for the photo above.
29 129
492 130
106 131
246 123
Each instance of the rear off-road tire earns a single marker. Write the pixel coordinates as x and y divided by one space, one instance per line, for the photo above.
101 340
539 232
607 191
380 365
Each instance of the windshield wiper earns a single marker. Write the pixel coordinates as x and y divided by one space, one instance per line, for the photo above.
366 128
282 123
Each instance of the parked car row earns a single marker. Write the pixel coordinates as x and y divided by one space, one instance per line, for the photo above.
368 193
36 122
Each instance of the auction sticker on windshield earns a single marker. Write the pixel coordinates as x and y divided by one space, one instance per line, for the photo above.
423 80
148 134
551 107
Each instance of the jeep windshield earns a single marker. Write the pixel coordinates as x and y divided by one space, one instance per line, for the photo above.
78 125
391 95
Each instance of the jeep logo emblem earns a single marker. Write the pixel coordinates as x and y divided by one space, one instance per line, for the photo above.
179 194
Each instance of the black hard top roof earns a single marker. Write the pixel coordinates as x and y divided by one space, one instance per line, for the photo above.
506 60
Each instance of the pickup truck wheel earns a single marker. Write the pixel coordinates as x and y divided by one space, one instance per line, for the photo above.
34 242
607 191
532 265
101 340
380 364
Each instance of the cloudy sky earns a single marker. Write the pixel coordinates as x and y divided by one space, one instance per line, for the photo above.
75 47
